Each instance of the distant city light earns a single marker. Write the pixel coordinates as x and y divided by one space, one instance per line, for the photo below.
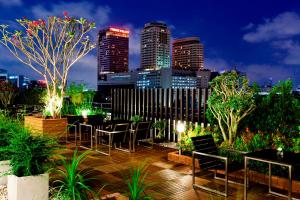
119 30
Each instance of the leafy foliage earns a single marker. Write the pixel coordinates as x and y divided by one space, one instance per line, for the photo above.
7 128
136 183
136 119
161 126
72 183
277 112
7 93
185 143
230 102
29 155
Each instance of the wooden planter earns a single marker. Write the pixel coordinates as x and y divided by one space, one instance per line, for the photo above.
50 127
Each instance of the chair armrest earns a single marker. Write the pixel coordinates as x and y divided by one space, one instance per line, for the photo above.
209 155
109 132
234 150
72 125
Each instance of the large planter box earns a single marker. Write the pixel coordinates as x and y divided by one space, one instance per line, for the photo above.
28 187
41 126
4 168
182 159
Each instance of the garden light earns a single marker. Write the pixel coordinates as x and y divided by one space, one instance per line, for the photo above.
180 127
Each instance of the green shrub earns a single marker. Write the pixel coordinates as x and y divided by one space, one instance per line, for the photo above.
161 126
8 127
30 155
136 183
136 119
72 183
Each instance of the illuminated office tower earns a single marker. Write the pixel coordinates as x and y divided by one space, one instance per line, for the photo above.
187 54
155 46
113 45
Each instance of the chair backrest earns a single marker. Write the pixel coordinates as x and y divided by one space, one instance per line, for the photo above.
75 119
95 120
142 130
121 127
206 144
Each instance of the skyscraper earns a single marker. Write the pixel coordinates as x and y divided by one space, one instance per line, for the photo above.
113 44
155 46
187 54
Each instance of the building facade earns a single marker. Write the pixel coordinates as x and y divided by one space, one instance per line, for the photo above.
155 46
113 47
187 54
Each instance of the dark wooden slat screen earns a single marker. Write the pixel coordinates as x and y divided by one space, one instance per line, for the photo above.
153 104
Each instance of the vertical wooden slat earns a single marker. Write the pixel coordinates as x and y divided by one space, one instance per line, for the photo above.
187 98
152 103
161 103
199 105
181 103
192 105
156 102
176 104
205 105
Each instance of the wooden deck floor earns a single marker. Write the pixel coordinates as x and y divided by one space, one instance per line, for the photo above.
169 180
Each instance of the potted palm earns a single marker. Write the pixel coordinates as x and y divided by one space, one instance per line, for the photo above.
49 47
29 160
135 120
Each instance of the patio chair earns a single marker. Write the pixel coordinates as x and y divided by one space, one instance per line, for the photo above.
113 137
210 160
72 128
140 133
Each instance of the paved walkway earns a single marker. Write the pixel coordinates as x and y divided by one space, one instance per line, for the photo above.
169 180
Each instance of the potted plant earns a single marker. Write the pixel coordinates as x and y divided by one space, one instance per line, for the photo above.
161 126
29 160
135 120
49 47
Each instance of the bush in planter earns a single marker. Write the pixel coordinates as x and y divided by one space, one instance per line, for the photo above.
185 143
161 126
30 155
136 119
72 183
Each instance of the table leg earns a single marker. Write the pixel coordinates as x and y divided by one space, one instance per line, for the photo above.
245 177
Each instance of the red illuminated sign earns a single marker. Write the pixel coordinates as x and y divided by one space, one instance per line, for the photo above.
119 30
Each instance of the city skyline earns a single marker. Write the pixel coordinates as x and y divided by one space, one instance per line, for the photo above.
260 39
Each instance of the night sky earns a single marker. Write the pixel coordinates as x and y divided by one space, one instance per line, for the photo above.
260 37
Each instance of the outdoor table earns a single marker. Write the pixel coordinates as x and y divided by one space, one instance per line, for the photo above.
270 156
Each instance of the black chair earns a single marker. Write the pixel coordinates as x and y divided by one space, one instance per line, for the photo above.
72 128
140 133
209 159
112 137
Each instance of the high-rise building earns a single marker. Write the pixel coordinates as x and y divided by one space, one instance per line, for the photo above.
187 54
155 46
113 45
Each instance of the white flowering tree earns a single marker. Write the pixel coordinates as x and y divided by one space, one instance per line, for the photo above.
50 47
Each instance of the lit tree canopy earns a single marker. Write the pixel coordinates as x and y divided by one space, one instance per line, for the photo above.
50 48
230 102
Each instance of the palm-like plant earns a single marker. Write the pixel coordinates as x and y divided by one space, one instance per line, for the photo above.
72 183
136 183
